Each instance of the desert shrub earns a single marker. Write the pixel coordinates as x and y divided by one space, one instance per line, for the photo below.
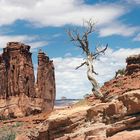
86 96
2 117
7 132
9 136
120 72
18 124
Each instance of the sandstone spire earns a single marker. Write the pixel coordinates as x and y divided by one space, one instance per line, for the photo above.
45 85
16 71
18 94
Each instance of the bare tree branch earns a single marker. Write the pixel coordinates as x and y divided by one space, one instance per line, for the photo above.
80 65
81 40
98 52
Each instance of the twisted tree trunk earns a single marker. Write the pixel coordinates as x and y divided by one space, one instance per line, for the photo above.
90 74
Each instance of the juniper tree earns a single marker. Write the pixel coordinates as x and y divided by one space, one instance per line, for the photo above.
81 40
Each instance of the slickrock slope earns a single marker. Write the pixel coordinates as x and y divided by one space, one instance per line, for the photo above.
127 82
18 94
118 119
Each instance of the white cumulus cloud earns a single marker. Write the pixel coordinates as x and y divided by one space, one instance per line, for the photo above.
118 29
133 1
57 13
62 12
30 40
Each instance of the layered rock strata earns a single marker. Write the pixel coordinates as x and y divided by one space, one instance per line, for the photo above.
18 94
45 85
127 82
133 64
17 74
118 119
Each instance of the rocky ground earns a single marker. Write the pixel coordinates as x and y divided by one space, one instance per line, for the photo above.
117 119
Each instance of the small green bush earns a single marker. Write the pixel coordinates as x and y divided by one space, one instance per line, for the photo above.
4 117
18 124
10 136
120 72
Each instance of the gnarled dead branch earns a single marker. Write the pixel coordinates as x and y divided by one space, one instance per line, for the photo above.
81 40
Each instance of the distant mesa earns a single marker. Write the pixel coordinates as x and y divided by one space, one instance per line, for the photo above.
20 95
63 98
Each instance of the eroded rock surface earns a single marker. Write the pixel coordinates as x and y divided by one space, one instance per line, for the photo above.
118 119
133 64
18 94
127 82
45 86
16 71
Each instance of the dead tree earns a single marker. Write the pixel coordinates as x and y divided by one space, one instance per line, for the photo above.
81 40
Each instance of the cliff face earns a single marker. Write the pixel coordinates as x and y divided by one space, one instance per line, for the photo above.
45 86
17 71
18 94
127 82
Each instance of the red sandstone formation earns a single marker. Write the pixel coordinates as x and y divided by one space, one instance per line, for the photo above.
133 64
129 81
45 86
17 71
17 84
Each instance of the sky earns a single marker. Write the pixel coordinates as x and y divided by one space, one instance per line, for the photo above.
42 24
